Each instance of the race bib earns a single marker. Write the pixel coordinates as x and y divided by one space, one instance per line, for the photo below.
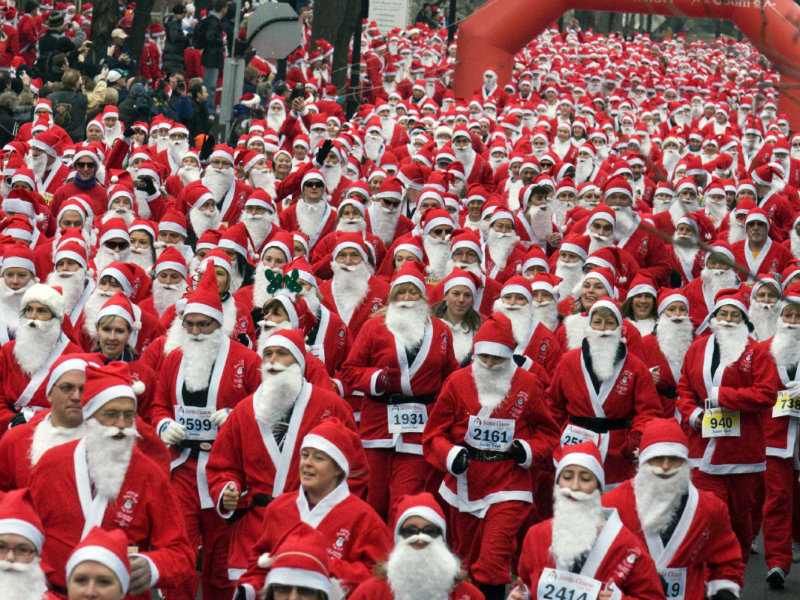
674 583
48 198
494 435
563 585
406 418
196 421
721 422
575 435
786 406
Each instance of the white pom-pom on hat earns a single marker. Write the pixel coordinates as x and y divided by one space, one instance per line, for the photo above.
138 388
265 560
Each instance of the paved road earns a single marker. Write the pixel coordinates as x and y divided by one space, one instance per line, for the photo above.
755 588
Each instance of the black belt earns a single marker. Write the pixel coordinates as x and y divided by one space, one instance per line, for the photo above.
670 392
196 447
487 455
57 588
393 399
259 500
599 425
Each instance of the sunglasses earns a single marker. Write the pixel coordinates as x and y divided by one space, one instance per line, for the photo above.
314 184
116 246
412 530
85 165
391 204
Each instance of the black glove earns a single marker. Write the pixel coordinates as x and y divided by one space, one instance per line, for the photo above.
518 452
460 463
149 186
128 133
207 148
17 419
724 595
323 151
520 360
241 593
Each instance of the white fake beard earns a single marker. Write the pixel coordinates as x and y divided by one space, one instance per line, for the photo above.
561 148
108 458
387 123
46 436
34 343
372 147
674 336
657 499
717 279
785 346
263 179
278 392
513 189
199 355
188 174
315 138
520 317
105 256
470 267
237 278
540 218
462 340
258 226
670 160
438 252
23 581
11 304
466 156
407 320
349 285
602 154
625 221
571 274
162 143
597 241
178 149
717 210
165 295
126 214
93 305
496 162
332 174
680 208
112 134
645 326
142 257
795 153
764 318
266 329
384 223
577 518
351 225
583 170
218 181
72 284
311 296
603 350
406 565
275 120
547 313
794 242
736 231
492 383
203 220
140 197
309 215
176 335
731 340
660 206
686 254
37 164
500 246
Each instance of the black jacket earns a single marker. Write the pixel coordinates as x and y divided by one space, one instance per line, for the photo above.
208 37
8 126
69 112
174 45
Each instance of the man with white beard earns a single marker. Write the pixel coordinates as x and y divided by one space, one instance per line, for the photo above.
25 361
374 144
73 276
717 274
112 126
257 172
600 228
532 338
684 203
421 566
671 156
243 475
260 218
536 218
169 282
200 382
172 157
17 275
758 252
488 486
544 299
201 208
107 472
276 112
763 309
114 244
384 217
228 192
585 168
311 215
188 171
436 229
687 531
502 252
172 233
716 208
21 540
751 141
43 160
120 205
584 540
476 169
728 379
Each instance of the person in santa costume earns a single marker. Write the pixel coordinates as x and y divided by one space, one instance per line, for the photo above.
758 252
489 425
219 178
717 274
457 309
687 531
256 454
783 442
384 217
420 566
100 567
26 360
311 214
103 480
502 252
399 360
355 537
199 384
21 540
602 392
17 274
169 283
584 547
72 275
726 383
763 312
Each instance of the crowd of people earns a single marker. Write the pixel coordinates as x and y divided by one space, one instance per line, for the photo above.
539 342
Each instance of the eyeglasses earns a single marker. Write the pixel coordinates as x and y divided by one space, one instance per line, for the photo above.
314 184
412 530
110 416
19 551
85 165
198 325
68 389
116 246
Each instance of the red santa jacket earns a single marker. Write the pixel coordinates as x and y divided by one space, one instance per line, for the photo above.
97 194
53 180
649 252
322 254
747 386
621 407
667 386
513 263
145 509
374 349
247 455
455 413
617 556
781 433
374 299
541 346
329 340
572 330
702 540
404 226
288 221
355 536
233 202
377 588
773 257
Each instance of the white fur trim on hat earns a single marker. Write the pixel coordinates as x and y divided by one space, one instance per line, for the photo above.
105 557
44 294
276 339
586 461
493 349
318 442
424 512
24 529
105 396
465 281
664 449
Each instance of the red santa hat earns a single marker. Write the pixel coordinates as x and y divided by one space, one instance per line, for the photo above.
304 271
730 297
26 202
47 295
299 560
204 299
119 306
261 199
351 240
113 229
535 257
605 276
312 174
721 248
604 212
436 217
63 364
17 255
283 241
17 517
73 250
174 221
124 273
149 227
105 383
617 185
577 244
495 337
48 142
422 505
586 455
237 238
222 151
292 340
667 296
336 440
546 282
662 437
764 174
109 548
392 188
642 284
459 276
756 214
18 227
610 304
517 285
170 258
217 258
410 272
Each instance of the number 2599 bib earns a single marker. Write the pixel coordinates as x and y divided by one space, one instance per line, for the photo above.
494 435
196 421
563 585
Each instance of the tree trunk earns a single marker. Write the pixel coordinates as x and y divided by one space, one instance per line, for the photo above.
334 21
141 20
104 19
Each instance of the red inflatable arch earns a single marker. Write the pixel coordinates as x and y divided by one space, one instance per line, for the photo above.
491 36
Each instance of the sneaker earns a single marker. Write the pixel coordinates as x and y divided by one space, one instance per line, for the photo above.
776 577
796 552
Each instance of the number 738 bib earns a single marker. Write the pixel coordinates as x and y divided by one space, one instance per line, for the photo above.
563 585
